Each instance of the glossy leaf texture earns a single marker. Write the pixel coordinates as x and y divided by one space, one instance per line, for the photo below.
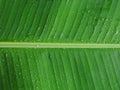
60 21
84 21
59 69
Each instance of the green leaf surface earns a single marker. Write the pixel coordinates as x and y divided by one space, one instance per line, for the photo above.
59 44
60 69
83 21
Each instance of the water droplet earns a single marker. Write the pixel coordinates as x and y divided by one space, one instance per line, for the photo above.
117 32
95 18
67 1
107 19
6 54
37 46
37 87
19 73
82 40
88 11
38 28
103 19
23 77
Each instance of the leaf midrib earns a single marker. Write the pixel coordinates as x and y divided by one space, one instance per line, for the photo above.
55 45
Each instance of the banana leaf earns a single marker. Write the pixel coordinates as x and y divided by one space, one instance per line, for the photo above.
80 49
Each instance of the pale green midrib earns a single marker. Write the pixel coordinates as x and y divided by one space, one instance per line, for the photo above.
55 45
